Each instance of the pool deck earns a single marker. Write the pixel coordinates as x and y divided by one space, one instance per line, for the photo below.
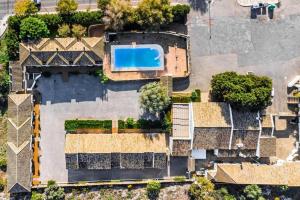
175 58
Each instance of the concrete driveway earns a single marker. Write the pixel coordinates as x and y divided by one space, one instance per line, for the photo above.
270 48
81 97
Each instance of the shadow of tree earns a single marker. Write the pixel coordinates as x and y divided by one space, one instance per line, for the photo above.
199 5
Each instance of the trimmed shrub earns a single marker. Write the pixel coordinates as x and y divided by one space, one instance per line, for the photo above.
102 4
73 125
25 7
33 28
66 7
64 30
86 18
2 184
181 99
180 12
196 96
78 31
37 196
153 188
54 192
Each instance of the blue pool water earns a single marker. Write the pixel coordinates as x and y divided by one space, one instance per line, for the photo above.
138 57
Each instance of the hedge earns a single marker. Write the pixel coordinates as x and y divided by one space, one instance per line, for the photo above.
140 124
73 125
194 96
180 12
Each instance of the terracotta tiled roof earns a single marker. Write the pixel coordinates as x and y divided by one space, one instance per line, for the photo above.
246 173
248 139
115 143
211 114
181 147
211 138
245 120
267 146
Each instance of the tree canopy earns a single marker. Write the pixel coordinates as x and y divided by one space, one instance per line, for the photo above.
253 192
117 14
25 7
33 28
153 13
154 97
66 7
248 92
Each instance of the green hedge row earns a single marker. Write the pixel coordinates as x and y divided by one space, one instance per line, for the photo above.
73 125
139 124
180 12
194 97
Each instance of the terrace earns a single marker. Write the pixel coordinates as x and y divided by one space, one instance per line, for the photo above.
175 49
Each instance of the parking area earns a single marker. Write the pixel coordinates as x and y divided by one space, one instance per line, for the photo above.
240 44
82 96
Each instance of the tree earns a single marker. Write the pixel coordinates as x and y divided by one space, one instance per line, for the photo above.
153 188
201 189
117 14
78 31
153 13
64 30
102 4
154 97
66 7
37 196
12 44
53 192
253 192
33 28
248 92
25 7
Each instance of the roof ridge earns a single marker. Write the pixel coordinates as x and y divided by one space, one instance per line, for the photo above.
226 174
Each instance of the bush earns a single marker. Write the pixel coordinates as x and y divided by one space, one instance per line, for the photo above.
85 18
53 192
25 7
37 196
78 31
153 188
33 28
2 184
3 158
248 92
180 12
253 192
130 123
154 97
52 22
167 122
179 178
153 13
196 96
181 99
102 4
66 7
73 125
12 44
201 189
64 30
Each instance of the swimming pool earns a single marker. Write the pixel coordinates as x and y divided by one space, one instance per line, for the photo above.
144 57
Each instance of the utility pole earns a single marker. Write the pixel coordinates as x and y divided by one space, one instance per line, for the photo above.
209 18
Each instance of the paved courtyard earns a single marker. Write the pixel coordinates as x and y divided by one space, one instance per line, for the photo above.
237 43
81 97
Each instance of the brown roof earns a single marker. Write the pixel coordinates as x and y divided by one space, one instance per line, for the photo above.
248 138
267 146
211 114
181 147
180 121
245 120
211 138
246 173
116 143
266 121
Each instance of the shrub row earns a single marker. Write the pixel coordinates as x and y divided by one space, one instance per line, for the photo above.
195 96
73 125
139 124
